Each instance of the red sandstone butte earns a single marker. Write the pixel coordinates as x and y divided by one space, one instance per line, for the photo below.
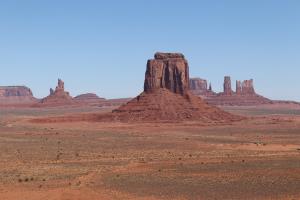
166 95
168 71
244 95
89 99
238 87
227 86
57 97
16 96
198 86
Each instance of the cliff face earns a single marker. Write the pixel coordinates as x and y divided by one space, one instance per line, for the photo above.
199 87
168 71
88 97
248 88
227 86
16 95
11 91
238 87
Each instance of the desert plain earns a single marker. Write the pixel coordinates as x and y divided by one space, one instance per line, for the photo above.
256 158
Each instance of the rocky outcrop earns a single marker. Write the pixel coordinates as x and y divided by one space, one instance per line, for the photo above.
60 88
90 98
168 71
166 96
227 86
15 95
51 91
11 91
244 95
248 88
238 87
58 97
198 86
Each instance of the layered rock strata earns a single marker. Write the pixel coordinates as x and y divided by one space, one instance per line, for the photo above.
166 95
244 95
58 97
16 95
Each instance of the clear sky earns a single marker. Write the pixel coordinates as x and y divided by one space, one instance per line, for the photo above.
102 46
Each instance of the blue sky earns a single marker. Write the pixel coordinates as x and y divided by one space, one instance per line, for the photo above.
102 46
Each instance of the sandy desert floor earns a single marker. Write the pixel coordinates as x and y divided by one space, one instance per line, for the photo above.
258 158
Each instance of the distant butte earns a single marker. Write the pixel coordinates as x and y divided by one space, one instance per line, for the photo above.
16 96
89 98
199 87
244 95
169 93
57 97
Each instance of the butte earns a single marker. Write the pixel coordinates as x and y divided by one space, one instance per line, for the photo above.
57 97
166 96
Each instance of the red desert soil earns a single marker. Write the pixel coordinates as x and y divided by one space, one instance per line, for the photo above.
257 158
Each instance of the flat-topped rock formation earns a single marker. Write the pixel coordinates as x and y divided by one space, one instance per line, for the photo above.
227 86
244 95
199 86
247 88
16 95
57 97
168 71
238 88
167 97
89 98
